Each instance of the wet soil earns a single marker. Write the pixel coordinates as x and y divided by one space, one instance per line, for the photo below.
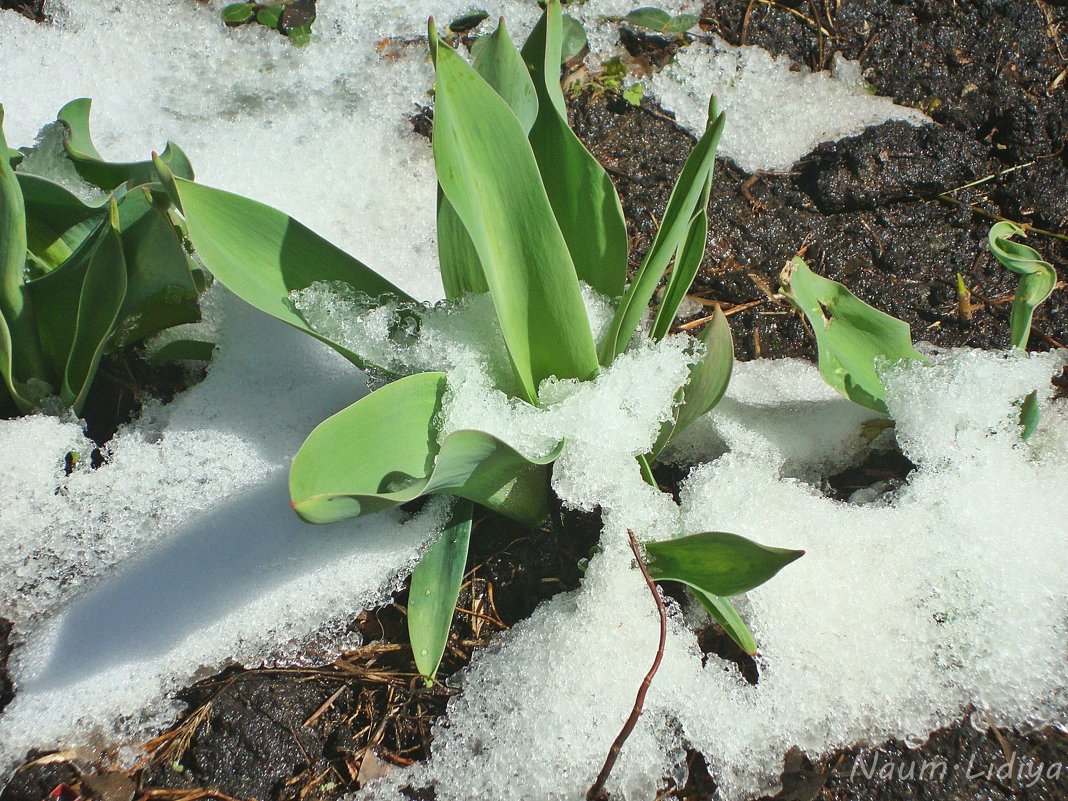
877 212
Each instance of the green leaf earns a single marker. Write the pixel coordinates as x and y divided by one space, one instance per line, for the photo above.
1030 414
57 220
500 64
583 198
468 22
269 16
182 350
850 335
435 587
106 174
681 23
686 209
13 156
688 260
716 563
300 35
21 360
1036 284
724 613
383 451
634 93
707 382
507 214
238 13
77 306
654 19
574 39
261 254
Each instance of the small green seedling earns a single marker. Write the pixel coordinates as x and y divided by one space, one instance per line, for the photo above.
525 213
659 21
291 18
1037 282
79 279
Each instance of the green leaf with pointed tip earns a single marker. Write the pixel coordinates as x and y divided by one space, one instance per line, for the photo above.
507 214
499 62
1030 414
77 306
685 210
724 613
687 261
707 382
681 23
237 13
1036 284
21 360
181 350
583 198
107 174
654 19
383 451
851 336
716 563
261 254
57 220
435 587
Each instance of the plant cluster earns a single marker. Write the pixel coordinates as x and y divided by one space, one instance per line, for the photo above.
78 278
291 18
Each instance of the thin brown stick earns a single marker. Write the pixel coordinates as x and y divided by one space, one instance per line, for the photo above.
596 791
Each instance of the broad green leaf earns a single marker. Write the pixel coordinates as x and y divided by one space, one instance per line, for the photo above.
237 13
573 40
383 451
716 563
654 19
435 587
584 200
1038 278
507 214
179 350
160 291
724 613
500 64
1030 414
708 379
269 16
850 335
20 357
57 220
261 254
106 174
685 210
681 23
77 306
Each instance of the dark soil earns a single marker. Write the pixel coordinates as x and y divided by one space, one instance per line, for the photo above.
32 9
877 212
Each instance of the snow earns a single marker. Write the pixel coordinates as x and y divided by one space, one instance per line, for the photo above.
188 516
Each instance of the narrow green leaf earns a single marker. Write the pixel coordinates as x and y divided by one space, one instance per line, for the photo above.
77 306
109 175
383 451
435 587
261 254
1038 278
21 360
688 260
685 210
182 350
724 613
717 563
500 64
707 382
524 257
237 13
583 198
850 335
1030 413
654 19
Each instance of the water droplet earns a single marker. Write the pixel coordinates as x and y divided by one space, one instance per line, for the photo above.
428 592
422 652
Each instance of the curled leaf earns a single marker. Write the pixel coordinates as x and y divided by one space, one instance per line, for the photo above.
1037 281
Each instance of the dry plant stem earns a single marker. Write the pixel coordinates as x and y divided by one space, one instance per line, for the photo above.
596 791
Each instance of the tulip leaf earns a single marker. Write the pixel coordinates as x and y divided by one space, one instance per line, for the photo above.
383 451
584 200
1038 278
179 350
261 254
507 214
1030 414
685 210
716 563
724 613
851 335
435 587
57 220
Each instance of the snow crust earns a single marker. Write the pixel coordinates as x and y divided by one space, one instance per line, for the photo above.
907 607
